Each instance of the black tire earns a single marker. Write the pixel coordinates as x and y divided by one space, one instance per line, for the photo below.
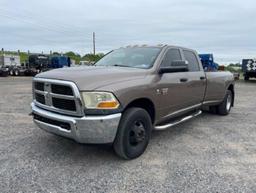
246 78
226 105
11 73
16 73
133 134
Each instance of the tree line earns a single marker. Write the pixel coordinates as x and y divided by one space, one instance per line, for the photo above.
72 55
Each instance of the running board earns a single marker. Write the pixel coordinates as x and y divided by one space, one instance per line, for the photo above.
176 122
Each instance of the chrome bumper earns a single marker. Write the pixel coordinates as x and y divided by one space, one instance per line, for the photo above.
87 129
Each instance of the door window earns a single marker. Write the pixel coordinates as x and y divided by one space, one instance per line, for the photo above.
193 64
171 55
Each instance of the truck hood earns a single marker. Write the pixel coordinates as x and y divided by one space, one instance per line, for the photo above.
92 77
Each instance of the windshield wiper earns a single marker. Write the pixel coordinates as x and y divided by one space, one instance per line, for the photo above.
121 65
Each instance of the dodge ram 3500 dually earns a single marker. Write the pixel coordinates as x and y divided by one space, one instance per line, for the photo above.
127 94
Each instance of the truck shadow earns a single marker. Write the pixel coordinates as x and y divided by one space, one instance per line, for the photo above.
69 149
66 150
248 81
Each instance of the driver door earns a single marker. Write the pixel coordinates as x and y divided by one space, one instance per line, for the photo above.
172 86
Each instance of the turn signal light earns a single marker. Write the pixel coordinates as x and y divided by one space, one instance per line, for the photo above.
108 105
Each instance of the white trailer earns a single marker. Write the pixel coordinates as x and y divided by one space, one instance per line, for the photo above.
9 60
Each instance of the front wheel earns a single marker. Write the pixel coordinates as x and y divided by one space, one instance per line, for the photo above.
133 133
225 107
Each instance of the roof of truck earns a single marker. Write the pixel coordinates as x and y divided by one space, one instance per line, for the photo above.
156 46
144 45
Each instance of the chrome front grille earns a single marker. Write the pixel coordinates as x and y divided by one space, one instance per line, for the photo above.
57 96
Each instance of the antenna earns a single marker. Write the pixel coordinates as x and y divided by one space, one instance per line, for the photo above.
93 40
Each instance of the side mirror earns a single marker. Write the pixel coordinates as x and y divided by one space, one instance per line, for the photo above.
176 66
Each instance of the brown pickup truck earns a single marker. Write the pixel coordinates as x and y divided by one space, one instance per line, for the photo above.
127 94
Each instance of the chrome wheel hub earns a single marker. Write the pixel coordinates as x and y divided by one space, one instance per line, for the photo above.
229 102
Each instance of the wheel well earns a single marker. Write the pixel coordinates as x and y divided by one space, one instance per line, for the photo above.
231 88
146 104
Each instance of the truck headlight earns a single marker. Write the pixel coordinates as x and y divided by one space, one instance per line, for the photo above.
100 100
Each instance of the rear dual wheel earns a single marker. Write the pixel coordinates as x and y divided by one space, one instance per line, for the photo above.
133 133
225 106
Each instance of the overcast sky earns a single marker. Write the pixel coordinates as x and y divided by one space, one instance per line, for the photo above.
225 28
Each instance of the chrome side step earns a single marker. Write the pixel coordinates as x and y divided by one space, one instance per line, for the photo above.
176 122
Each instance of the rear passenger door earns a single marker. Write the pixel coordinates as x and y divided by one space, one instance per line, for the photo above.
196 82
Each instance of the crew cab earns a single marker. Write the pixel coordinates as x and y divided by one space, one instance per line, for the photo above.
127 94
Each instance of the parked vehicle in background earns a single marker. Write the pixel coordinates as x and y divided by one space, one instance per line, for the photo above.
57 61
8 62
249 68
34 65
208 62
85 62
210 65
127 94
39 63
4 71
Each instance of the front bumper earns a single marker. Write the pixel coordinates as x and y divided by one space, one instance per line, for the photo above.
87 129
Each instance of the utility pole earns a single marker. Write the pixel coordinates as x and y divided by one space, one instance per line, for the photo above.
93 39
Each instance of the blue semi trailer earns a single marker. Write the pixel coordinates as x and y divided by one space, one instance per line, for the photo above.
249 68
208 62
57 61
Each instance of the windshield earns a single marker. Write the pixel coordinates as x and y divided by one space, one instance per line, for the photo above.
131 57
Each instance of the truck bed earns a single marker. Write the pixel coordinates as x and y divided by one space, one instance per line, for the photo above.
216 82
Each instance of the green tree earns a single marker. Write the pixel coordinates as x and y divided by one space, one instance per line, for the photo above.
55 53
23 57
92 57
234 68
73 56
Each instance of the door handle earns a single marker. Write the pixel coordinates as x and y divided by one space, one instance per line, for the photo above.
183 80
202 78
